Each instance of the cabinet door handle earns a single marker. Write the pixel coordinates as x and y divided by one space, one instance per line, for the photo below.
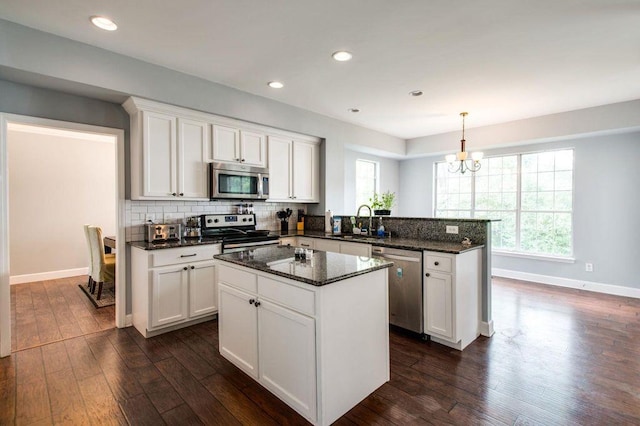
174 194
252 301
188 255
182 194
305 245
242 160
427 274
185 268
193 267
436 263
257 303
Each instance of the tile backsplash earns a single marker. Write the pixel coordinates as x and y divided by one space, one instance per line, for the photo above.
177 211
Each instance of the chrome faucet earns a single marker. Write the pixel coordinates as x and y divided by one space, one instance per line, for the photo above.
370 217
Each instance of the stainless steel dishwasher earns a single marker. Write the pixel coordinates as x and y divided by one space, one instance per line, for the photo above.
405 287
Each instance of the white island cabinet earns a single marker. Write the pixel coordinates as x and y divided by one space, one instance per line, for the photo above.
319 348
173 288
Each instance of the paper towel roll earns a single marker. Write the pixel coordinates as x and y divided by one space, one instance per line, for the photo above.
328 222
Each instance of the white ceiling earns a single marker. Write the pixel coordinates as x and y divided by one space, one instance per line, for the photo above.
501 60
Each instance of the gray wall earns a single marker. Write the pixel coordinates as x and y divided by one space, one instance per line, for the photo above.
389 177
606 205
45 59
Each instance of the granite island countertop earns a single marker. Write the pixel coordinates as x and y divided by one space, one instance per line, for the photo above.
392 242
321 269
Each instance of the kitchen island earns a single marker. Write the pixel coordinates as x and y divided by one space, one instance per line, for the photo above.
313 331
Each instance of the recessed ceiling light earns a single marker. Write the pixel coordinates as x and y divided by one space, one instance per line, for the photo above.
276 85
354 110
104 23
416 93
342 55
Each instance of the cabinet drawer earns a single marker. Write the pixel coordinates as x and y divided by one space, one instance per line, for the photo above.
440 263
183 255
296 298
240 279
305 242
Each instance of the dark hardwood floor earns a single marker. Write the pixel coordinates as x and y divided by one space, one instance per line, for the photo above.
558 357
53 310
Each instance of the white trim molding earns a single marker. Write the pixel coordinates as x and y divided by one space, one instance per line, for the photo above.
616 290
50 275
486 328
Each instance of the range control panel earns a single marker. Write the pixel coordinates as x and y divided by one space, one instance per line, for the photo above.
227 220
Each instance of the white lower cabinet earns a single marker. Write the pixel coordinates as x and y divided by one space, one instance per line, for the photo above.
451 290
173 288
253 329
290 374
238 329
334 246
304 343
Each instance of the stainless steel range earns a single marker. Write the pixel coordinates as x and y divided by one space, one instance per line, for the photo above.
237 231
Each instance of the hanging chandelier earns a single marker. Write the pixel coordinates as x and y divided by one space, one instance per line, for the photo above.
459 161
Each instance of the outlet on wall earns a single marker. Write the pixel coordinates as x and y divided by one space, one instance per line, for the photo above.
451 229
588 267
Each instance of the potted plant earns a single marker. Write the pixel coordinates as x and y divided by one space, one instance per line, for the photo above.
382 203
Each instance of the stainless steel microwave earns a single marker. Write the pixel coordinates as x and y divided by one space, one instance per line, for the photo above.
230 181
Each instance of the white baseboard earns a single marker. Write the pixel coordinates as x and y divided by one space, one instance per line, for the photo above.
486 328
616 290
51 275
128 320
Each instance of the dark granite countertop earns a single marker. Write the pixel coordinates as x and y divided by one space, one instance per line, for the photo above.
185 242
321 269
392 242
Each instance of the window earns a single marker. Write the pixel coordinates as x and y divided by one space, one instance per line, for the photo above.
366 181
531 194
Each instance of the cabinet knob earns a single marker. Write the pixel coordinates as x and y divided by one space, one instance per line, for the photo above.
182 194
185 268
174 194
257 303
242 160
427 274
193 267
252 301
436 263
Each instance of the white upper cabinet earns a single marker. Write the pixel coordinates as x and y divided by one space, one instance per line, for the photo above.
294 170
226 144
193 140
159 141
280 170
168 154
231 145
171 148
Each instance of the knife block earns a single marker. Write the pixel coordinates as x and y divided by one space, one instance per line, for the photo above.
284 226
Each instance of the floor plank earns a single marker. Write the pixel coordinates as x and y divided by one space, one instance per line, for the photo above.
559 356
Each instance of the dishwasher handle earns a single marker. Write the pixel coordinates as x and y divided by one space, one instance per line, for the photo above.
397 257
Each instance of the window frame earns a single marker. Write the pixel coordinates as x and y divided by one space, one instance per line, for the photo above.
518 252
376 177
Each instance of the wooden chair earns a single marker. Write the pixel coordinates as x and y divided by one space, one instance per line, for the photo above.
103 267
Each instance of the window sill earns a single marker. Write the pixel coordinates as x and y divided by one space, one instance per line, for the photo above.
547 258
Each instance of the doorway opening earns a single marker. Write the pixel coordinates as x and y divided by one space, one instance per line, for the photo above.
50 219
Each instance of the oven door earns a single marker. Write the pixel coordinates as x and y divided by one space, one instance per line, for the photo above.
248 184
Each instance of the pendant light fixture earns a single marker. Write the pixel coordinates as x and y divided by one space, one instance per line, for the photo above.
458 162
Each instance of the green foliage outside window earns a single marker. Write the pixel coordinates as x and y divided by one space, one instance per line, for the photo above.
530 194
